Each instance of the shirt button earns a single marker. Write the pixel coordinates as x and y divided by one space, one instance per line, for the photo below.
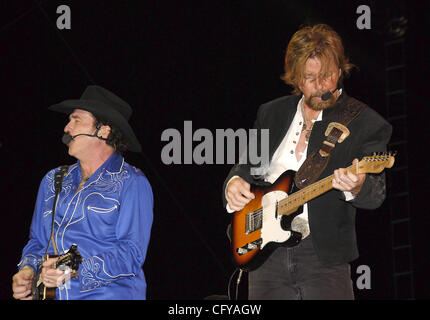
291 151
297 133
294 142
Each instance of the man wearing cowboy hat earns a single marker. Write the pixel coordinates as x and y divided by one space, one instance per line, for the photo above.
105 206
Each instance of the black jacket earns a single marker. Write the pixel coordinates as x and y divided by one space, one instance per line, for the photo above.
331 218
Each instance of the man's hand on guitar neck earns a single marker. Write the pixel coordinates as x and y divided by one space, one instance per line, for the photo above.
238 194
348 182
52 277
21 283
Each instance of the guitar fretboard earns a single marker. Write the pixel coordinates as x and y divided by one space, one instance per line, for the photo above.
290 204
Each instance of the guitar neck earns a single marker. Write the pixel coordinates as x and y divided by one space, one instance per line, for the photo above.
290 204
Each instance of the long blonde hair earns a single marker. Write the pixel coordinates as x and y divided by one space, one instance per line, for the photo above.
318 41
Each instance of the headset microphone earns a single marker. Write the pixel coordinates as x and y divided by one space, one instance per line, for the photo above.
329 94
67 138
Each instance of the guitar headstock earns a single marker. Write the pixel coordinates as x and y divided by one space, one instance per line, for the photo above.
376 163
72 258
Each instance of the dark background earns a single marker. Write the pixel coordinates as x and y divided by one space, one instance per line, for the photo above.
211 62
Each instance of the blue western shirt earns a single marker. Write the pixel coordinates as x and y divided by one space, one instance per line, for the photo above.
109 219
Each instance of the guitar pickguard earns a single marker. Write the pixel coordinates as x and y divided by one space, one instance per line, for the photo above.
271 230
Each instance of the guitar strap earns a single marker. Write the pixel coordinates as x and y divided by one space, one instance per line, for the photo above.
336 132
58 183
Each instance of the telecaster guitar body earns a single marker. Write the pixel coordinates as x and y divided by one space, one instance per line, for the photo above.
259 225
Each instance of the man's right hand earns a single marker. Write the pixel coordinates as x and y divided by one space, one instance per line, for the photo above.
238 194
21 284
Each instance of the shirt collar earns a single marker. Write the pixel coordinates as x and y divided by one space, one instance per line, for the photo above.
299 110
113 165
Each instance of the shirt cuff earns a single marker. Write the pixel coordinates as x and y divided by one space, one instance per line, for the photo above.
30 261
348 196
227 207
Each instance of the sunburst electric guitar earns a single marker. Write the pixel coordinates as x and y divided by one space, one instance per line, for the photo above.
71 259
265 222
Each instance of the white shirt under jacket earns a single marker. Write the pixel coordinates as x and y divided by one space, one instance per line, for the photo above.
285 159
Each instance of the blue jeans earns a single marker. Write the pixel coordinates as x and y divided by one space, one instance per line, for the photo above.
296 274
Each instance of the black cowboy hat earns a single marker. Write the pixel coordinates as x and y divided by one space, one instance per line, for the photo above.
105 106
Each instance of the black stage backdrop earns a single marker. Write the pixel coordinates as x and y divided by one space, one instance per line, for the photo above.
209 62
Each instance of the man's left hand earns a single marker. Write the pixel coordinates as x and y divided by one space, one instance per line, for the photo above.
347 181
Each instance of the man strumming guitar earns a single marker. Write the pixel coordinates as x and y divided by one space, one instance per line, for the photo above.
318 267
105 206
